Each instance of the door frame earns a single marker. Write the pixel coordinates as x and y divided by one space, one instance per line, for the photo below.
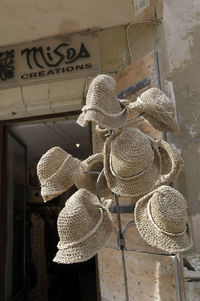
4 129
2 208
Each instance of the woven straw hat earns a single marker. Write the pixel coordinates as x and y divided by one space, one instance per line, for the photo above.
102 105
84 226
158 110
88 181
161 219
133 163
57 171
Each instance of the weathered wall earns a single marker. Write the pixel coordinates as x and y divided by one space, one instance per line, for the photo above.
182 34
178 38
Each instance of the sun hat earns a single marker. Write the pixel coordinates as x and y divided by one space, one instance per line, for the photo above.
88 180
57 171
102 105
161 220
84 227
157 109
133 162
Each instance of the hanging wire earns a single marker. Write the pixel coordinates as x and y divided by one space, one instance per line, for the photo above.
132 118
134 122
97 185
127 35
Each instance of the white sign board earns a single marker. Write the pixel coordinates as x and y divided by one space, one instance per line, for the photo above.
49 59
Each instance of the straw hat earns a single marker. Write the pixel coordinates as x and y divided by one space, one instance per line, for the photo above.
133 162
102 105
161 219
84 226
57 171
88 181
158 110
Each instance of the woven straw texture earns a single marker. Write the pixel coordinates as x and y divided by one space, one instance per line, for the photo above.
83 219
102 105
168 210
172 162
158 110
133 163
101 132
57 171
88 181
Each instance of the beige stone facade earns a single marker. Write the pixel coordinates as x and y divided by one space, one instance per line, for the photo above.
177 36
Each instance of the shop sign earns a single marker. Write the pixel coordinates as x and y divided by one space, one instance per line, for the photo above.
49 59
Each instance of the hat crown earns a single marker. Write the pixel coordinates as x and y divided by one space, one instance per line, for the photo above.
131 152
168 210
79 216
102 94
50 162
159 100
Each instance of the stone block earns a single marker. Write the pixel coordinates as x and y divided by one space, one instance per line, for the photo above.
11 104
66 95
36 99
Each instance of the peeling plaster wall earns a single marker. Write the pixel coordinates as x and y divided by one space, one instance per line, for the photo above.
178 38
182 34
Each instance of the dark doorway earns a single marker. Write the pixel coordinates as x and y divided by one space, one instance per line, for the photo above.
31 230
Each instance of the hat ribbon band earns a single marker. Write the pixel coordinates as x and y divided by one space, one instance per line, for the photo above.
87 108
158 228
82 239
133 176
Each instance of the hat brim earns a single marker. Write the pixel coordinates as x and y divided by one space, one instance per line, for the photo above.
90 247
137 186
170 244
102 120
160 120
89 181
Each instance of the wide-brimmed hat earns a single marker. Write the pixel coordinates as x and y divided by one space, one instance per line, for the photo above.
84 227
133 162
88 179
161 219
157 109
57 171
102 105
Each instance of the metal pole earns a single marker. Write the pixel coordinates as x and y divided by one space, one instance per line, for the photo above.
121 243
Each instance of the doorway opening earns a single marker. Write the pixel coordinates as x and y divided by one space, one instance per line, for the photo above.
30 224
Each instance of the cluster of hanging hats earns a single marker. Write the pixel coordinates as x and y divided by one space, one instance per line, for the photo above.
131 164
85 223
